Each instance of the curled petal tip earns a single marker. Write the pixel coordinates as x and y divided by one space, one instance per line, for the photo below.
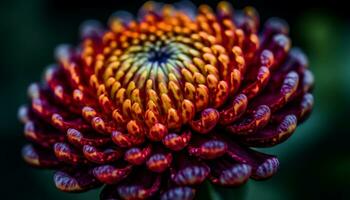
208 120
177 142
209 150
177 193
191 175
111 175
66 183
235 175
266 169
75 182
30 155
159 162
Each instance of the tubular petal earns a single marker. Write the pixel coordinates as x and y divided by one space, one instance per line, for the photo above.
228 173
75 182
208 149
178 193
38 157
208 120
111 175
101 156
258 119
233 112
273 135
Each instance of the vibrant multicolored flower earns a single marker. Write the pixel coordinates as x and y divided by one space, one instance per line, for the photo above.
154 106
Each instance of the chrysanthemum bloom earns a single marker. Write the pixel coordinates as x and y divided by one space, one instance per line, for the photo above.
152 107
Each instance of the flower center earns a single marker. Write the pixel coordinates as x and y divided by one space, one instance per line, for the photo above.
155 61
164 71
159 55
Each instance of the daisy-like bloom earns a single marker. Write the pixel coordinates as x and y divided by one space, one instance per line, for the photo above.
152 107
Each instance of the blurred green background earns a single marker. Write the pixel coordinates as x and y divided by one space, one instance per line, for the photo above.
315 161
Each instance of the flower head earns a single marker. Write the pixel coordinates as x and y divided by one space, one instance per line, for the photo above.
154 106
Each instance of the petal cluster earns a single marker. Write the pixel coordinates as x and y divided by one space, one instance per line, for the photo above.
152 107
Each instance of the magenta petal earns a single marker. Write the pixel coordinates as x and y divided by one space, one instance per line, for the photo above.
235 110
227 172
208 149
257 119
273 134
265 170
110 175
140 187
80 139
207 121
235 175
99 156
76 181
188 171
301 108
159 162
191 175
177 142
41 136
263 165
39 157
178 193
68 154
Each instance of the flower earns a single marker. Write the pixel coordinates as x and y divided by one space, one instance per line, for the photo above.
153 107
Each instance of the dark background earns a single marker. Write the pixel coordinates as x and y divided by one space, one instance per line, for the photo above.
315 161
